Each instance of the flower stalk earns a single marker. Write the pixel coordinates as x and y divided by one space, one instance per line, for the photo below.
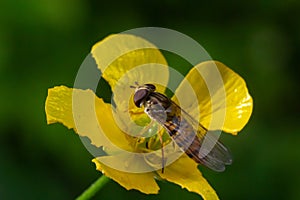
94 188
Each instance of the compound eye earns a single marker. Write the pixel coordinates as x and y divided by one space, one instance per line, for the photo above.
151 87
139 97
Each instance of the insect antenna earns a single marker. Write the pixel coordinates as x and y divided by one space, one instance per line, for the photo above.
136 85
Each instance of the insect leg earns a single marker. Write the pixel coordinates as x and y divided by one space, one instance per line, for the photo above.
162 152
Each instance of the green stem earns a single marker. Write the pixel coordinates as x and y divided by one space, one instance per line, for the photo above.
93 189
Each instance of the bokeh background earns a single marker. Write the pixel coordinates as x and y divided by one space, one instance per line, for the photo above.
43 43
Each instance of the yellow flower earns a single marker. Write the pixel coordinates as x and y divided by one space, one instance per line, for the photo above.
90 116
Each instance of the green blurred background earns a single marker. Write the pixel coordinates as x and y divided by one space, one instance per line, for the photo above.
43 43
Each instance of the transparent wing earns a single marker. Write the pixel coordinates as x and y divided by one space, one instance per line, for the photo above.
198 143
192 138
213 153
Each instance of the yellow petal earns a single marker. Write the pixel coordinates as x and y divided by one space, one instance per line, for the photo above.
219 98
184 172
124 60
87 114
144 182
58 106
117 54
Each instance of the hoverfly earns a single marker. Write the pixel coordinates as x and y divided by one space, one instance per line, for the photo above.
180 126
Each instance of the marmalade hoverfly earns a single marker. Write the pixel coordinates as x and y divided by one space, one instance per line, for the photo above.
181 128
